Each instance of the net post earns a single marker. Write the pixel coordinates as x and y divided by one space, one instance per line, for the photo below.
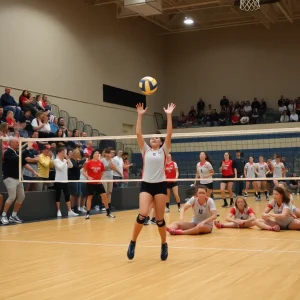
20 159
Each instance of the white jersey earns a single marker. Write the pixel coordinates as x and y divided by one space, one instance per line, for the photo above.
250 170
278 210
243 215
262 169
154 164
61 169
202 212
204 170
278 169
118 162
108 173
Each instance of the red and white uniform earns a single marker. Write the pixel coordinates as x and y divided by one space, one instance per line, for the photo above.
243 215
204 169
278 210
170 170
94 170
262 169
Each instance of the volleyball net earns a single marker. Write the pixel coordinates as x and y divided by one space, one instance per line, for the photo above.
185 151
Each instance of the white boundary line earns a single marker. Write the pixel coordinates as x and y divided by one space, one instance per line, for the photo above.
144 246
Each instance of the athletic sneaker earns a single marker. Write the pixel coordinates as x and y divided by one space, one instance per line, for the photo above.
15 219
82 210
153 221
4 220
178 209
87 216
110 215
225 205
71 213
164 251
97 207
245 194
167 210
59 214
131 250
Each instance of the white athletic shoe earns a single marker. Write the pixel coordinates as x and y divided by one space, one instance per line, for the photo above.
72 214
81 209
4 220
178 209
167 210
59 214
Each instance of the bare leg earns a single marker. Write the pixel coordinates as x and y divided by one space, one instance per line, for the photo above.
267 225
160 201
199 229
294 225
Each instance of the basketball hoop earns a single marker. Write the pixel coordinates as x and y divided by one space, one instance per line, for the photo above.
249 5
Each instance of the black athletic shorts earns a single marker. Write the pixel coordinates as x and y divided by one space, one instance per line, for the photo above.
208 185
154 188
228 176
170 185
95 189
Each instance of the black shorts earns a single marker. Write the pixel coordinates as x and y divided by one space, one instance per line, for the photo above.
208 185
154 188
170 185
95 189
229 176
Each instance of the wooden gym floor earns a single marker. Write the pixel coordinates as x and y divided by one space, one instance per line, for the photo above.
86 259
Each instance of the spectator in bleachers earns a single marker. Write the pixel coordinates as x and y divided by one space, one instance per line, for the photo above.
255 104
281 101
182 119
255 116
263 108
284 117
282 108
213 119
8 103
224 102
297 101
27 119
118 162
244 119
208 110
223 118
294 117
53 125
247 109
60 134
61 125
88 149
235 119
192 115
21 129
4 134
291 106
10 121
44 103
200 105
237 106
242 104
1 115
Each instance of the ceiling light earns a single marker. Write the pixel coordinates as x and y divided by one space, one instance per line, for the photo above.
188 21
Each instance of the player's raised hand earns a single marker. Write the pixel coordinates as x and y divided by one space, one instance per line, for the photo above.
170 109
140 108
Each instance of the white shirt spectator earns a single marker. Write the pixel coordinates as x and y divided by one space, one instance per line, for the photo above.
118 162
45 128
61 169
291 107
282 108
294 117
247 108
284 119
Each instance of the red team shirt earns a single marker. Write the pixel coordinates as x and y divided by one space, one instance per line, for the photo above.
170 170
94 170
229 166
243 215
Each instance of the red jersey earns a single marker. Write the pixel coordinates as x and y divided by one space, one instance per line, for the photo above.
10 121
228 168
170 170
94 170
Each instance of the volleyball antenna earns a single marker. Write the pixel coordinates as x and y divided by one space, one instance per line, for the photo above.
249 5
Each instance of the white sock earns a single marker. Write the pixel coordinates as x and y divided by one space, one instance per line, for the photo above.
4 214
14 214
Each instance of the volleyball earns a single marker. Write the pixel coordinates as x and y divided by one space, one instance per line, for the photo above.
148 85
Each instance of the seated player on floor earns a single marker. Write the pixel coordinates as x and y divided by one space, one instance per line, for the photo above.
240 216
205 213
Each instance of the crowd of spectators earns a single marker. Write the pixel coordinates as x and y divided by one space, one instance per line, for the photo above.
238 113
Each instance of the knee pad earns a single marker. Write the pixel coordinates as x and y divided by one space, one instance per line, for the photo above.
140 219
161 223
20 200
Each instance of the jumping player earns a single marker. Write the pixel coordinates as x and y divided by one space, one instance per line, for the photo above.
153 186
205 213
240 216
171 170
